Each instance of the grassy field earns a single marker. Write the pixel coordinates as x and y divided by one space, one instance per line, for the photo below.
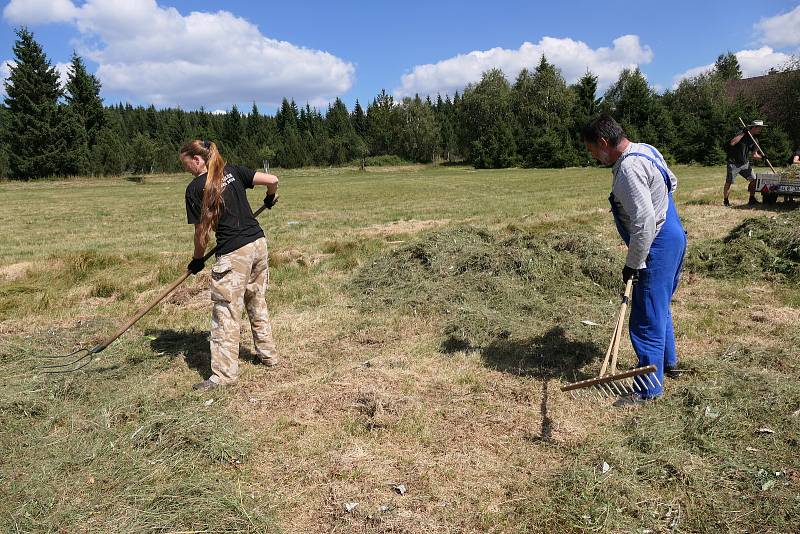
426 318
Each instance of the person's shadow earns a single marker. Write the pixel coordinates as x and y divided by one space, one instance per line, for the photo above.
549 356
776 207
193 346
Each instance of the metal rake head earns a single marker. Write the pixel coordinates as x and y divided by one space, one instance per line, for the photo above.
78 359
625 383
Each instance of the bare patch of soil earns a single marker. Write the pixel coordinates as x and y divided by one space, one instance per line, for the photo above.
15 271
296 257
402 227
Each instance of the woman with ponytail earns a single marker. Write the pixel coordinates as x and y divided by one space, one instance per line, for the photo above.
216 200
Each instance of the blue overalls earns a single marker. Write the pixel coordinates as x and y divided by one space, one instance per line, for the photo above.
651 329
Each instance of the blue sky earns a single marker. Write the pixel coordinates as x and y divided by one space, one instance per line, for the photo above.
174 52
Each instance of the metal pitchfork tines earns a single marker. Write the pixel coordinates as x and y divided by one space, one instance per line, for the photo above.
613 383
82 357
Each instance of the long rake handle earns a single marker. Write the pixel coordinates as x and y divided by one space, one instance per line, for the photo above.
757 146
161 296
617 328
622 310
607 357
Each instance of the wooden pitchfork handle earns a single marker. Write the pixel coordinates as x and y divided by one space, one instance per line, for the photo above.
613 345
757 146
161 296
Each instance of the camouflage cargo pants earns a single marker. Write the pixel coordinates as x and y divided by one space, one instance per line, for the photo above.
240 277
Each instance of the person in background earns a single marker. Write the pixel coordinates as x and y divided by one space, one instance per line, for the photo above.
216 200
795 158
739 149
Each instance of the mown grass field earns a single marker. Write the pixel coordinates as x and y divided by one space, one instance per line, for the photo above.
448 385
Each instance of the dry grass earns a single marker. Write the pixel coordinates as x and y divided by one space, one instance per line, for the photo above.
402 227
366 397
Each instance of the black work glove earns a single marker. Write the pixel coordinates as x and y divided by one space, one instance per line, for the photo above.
196 265
628 273
270 200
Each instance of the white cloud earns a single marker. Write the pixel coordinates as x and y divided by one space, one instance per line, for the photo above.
157 55
780 30
572 57
39 11
5 68
63 72
752 62
5 73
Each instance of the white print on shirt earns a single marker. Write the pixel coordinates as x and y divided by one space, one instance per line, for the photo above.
228 178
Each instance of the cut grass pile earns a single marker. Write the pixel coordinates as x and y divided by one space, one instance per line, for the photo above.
493 289
759 246
791 173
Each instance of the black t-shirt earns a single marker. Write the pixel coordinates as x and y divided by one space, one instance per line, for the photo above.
740 152
237 226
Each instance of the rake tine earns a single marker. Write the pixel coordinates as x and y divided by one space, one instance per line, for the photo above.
67 367
611 392
635 384
655 377
650 382
61 356
601 390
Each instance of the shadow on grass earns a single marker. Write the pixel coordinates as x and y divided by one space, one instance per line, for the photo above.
777 207
193 345
549 356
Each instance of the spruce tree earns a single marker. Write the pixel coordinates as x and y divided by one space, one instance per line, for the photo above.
32 91
379 125
341 134
82 93
232 128
359 120
727 67
586 90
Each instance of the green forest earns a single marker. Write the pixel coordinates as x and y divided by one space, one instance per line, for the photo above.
48 130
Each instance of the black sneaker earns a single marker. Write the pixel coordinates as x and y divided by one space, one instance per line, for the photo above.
677 373
674 372
726 202
753 201
205 385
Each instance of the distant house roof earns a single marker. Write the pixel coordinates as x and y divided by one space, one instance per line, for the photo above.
754 87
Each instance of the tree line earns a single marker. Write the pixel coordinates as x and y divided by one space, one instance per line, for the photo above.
50 130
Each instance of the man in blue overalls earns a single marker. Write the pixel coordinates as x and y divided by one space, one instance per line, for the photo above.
645 216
